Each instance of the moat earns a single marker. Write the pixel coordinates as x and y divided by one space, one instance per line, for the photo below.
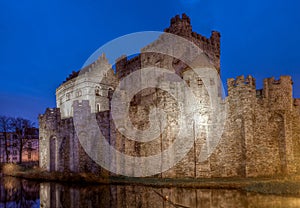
15 192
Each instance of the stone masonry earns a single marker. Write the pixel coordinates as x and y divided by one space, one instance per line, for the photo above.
261 136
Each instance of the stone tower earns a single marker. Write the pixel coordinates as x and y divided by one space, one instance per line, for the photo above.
260 138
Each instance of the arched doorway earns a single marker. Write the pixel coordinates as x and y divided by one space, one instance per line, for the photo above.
278 133
52 153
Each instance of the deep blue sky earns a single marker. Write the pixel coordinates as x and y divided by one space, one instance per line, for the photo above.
41 42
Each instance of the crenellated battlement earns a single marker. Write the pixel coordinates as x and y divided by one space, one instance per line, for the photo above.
283 80
102 61
297 102
275 94
73 75
51 113
270 84
279 93
50 119
211 46
180 26
125 66
241 81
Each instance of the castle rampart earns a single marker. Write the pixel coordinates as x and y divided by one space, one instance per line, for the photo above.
260 138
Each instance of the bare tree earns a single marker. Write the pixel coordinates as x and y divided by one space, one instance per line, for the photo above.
5 128
21 127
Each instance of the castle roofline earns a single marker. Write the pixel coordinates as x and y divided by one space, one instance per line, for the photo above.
101 59
182 26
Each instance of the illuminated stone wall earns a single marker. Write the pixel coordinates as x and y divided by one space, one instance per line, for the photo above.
261 135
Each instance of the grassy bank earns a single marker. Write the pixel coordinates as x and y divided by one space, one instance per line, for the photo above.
278 186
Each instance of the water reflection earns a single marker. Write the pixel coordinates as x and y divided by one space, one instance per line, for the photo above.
56 195
22 193
18 193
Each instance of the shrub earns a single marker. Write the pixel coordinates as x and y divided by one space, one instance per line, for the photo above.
10 169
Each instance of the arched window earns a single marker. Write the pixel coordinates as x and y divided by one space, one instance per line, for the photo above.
78 93
97 91
98 107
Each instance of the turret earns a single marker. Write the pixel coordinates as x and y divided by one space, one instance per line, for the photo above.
242 96
50 119
211 46
180 26
279 93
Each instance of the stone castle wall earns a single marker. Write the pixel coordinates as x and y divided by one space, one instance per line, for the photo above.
257 140
260 138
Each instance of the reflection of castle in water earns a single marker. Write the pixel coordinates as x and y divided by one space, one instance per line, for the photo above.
56 195
261 135
21 193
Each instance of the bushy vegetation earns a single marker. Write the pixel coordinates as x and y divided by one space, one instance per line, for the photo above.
10 168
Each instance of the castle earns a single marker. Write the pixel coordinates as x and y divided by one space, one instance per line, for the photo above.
260 137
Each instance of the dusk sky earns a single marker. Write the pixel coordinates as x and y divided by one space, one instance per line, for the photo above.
43 41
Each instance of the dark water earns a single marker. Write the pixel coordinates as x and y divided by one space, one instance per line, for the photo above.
22 193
